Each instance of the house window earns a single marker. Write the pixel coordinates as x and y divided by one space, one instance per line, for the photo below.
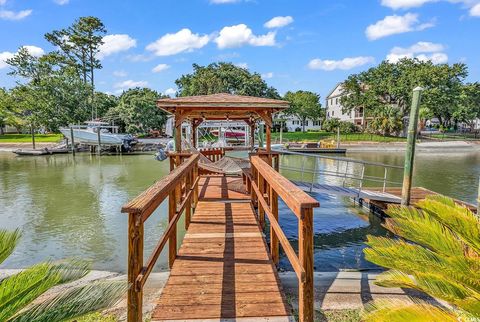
305 123
336 101
316 123
333 113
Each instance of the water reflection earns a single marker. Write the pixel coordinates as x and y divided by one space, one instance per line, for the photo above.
70 207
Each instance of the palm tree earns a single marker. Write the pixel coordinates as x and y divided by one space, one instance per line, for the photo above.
19 292
387 120
438 253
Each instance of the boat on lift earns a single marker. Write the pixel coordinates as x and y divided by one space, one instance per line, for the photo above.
89 133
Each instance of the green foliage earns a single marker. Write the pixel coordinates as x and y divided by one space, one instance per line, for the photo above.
137 112
18 291
332 124
223 78
387 121
390 85
304 105
27 138
438 253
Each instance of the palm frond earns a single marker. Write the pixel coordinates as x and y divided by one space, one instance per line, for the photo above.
74 303
458 218
427 231
405 311
8 242
19 290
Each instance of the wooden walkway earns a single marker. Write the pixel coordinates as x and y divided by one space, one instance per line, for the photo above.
223 269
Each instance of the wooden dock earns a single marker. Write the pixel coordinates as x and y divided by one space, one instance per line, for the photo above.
224 269
417 194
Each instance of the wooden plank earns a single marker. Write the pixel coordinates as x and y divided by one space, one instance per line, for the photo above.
223 269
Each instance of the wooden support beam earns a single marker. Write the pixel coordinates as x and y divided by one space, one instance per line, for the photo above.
135 264
172 241
268 142
305 254
274 242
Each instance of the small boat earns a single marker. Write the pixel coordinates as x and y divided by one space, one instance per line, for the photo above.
32 152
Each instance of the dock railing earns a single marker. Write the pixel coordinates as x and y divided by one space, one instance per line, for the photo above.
266 185
180 186
346 170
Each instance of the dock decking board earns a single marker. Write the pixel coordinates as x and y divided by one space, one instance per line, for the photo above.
223 269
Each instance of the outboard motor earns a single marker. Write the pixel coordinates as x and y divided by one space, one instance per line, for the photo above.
161 155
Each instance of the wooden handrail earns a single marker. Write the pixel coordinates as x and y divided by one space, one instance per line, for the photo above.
181 188
295 198
151 198
266 185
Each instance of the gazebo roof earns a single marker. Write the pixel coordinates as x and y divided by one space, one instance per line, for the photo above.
222 100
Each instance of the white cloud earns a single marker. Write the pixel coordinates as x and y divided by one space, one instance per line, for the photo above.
4 56
183 40
160 68
115 43
242 65
139 58
130 84
405 4
32 50
474 5
61 2
170 91
278 22
267 75
12 15
475 10
422 50
240 35
2 2
120 73
346 63
391 25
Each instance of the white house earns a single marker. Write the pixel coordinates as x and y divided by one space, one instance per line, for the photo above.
292 123
335 109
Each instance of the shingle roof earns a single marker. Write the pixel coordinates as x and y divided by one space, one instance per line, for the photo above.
222 99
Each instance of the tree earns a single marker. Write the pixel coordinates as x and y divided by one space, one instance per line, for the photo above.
137 112
438 253
391 85
53 94
104 102
468 104
80 44
304 105
223 78
18 291
388 120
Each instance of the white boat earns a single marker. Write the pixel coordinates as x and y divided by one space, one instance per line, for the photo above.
89 134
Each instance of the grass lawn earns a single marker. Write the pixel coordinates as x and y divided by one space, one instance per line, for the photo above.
317 136
27 138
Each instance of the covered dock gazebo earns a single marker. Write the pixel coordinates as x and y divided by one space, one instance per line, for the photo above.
197 109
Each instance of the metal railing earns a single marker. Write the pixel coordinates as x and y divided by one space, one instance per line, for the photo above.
346 169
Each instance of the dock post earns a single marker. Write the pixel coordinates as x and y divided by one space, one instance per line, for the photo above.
305 254
99 142
33 136
338 137
135 264
410 150
72 140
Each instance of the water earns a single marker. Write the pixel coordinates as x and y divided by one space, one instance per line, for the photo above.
70 207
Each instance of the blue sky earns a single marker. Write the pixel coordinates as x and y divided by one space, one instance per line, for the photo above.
309 45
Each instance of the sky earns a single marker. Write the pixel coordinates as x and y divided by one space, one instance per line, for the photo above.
294 45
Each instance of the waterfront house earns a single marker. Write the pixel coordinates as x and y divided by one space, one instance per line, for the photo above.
334 108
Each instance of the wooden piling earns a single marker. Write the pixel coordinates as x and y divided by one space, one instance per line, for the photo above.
99 151
72 140
410 150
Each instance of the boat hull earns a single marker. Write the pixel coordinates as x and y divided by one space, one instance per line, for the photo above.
89 137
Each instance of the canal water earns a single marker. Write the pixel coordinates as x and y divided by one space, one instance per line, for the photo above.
70 207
